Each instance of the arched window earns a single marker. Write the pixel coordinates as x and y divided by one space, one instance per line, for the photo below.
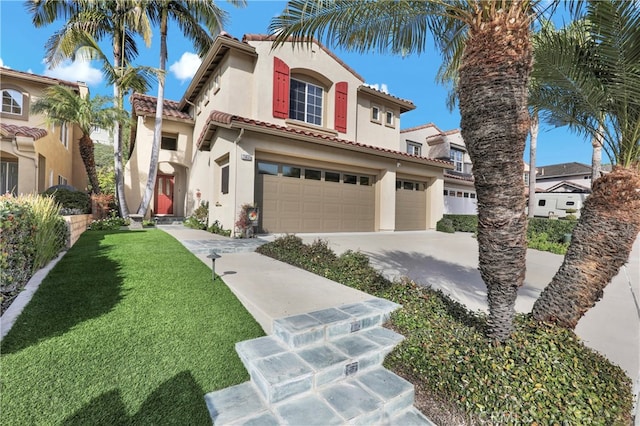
12 102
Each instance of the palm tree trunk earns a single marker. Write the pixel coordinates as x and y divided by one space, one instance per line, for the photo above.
494 75
533 148
117 144
596 155
600 245
157 131
86 153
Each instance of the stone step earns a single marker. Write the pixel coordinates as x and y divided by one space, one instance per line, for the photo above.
315 327
280 372
375 397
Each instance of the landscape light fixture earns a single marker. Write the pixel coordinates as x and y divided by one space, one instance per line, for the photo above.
213 256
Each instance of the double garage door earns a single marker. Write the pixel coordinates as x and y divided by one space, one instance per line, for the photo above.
300 199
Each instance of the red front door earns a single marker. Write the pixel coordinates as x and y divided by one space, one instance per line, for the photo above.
164 194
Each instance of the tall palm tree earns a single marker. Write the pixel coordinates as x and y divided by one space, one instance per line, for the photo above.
62 105
495 40
593 85
189 16
119 20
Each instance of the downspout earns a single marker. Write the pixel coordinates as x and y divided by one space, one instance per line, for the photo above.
235 178
16 151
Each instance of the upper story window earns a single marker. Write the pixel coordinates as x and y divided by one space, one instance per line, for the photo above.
389 118
13 102
64 135
457 156
169 143
305 102
414 148
375 113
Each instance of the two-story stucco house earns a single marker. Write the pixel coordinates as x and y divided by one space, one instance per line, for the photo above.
292 130
459 192
35 156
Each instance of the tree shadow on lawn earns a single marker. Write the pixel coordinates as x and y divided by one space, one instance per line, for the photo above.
461 283
177 401
84 284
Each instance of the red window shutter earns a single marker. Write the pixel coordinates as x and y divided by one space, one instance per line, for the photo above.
342 89
280 88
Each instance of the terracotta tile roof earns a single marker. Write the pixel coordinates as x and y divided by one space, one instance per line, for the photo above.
145 104
263 37
405 104
38 77
31 132
226 119
458 176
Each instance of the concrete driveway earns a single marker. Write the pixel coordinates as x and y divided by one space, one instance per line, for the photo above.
449 262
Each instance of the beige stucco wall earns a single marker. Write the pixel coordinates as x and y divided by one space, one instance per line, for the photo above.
377 133
171 162
253 146
59 160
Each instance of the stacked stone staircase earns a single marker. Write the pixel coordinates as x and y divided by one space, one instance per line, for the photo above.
321 368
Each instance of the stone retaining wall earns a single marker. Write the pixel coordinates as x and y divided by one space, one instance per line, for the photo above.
76 224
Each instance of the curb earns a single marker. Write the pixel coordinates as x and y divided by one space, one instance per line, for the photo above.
13 312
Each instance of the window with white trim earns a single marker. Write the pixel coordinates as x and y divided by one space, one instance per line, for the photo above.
64 135
305 102
8 177
12 101
389 118
375 113
414 148
62 180
457 157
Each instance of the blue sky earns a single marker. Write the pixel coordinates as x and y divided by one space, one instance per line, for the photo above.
412 78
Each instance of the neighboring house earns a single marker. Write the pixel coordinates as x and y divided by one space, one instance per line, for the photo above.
428 140
102 136
292 130
565 177
35 156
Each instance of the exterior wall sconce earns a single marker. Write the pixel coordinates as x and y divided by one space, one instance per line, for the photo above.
213 256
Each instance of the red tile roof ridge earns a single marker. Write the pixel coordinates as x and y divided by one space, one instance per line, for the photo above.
32 132
53 79
146 103
420 127
226 118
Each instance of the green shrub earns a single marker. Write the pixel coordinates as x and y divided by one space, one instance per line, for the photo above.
199 218
17 251
543 243
463 222
542 375
445 225
216 228
555 229
72 202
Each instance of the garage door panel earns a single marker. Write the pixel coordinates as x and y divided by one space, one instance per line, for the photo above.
411 210
305 205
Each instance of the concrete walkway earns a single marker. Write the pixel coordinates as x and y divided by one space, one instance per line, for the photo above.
449 262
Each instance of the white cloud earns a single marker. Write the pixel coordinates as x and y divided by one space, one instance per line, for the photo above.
186 67
1 63
76 71
380 87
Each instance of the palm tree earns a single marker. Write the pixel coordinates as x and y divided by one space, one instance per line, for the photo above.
494 38
121 21
593 85
62 105
189 16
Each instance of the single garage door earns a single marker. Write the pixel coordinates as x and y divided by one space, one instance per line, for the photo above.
411 206
302 199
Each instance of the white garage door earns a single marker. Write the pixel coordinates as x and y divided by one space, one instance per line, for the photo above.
303 199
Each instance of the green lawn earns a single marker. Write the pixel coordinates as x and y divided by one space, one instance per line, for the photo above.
126 329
